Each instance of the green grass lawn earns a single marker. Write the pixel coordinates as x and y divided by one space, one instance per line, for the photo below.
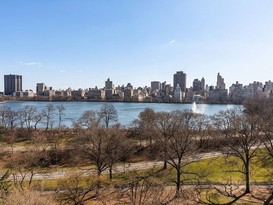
215 170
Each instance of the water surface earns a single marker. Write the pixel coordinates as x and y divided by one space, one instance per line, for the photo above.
127 112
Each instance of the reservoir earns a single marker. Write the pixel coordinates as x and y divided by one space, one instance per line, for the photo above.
127 112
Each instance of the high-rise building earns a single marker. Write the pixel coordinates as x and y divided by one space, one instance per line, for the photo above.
220 82
155 85
219 93
108 84
128 94
179 78
178 95
40 88
203 83
196 85
12 83
109 89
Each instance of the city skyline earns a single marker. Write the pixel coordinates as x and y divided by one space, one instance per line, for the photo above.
80 44
218 78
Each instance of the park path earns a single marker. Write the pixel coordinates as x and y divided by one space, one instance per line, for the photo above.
120 168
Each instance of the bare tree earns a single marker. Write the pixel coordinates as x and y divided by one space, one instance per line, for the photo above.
127 149
40 142
27 114
144 190
29 197
92 145
117 146
181 146
23 169
10 139
107 114
48 113
146 123
5 186
60 110
162 132
5 112
174 133
11 118
37 119
203 130
262 112
77 189
87 120
241 145
24 165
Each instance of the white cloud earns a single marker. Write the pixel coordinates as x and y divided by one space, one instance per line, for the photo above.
171 42
33 63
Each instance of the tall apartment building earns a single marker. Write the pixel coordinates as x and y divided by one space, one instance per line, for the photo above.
155 85
128 94
12 83
179 78
178 95
109 89
196 85
220 82
203 85
96 94
236 93
40 88
218 94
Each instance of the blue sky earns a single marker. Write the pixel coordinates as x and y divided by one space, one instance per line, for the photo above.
80 43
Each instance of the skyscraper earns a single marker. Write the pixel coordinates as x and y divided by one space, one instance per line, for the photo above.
40 88
179 78
196 85
203 83
220 82
155 85
109 89
12 83
178 96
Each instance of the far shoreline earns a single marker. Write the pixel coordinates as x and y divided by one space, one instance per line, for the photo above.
112 101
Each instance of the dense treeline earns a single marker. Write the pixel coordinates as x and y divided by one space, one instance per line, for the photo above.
97 144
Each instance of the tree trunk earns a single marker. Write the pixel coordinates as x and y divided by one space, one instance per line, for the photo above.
111 172
165 158
47 124
270 198
165 164
178 180
60 121
98 184
247 177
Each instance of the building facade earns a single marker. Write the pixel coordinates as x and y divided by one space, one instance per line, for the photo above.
197 85
178 94
220 82
219 94
12 84
40 88
155 85
109 89
179 78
